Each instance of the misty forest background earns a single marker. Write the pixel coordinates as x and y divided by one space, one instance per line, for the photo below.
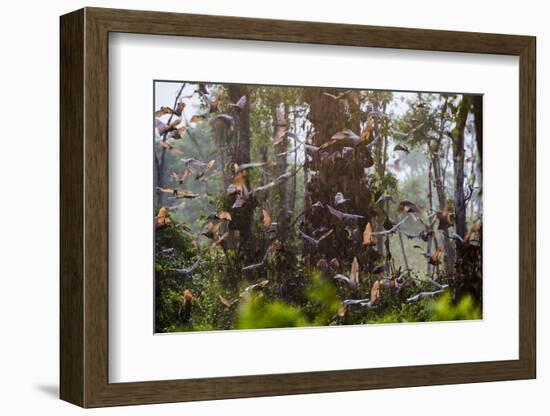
283 206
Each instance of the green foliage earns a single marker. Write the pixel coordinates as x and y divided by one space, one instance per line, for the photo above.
321 306
257 313
323 298
445 310
403 312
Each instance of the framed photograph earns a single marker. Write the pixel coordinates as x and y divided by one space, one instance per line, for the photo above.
263 207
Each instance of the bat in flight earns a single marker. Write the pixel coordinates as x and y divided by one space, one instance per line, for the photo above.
168 110
367 235
386 198
275 182
339 199
434 258
171 130
180 178
163 217
171 148
188 271
347 137
343 216
281 127
240 104
186 305
198 118
270 252
178 193
402 148
408 206
226 302
269 225
198 168
423 295
445 218
251 165
315 242
353 279
346 97
370 302
223 119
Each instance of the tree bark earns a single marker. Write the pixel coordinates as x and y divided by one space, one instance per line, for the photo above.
243 217
448 248
430 201
477 102
380 167
468 256
458 169
337 169
281 166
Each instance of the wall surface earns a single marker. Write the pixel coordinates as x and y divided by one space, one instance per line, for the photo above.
29 210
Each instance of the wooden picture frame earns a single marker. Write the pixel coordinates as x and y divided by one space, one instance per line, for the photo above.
84 207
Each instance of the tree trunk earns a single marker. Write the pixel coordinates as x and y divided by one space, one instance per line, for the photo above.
477 102
380 157
243 217
448 248
458 170
280 193
430 201
439 174
468 256
337 168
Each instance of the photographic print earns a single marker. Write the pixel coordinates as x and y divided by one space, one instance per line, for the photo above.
289 206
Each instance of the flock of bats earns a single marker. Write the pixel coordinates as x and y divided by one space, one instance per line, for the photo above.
216 227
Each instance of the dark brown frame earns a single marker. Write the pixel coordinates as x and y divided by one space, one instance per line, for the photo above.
84 208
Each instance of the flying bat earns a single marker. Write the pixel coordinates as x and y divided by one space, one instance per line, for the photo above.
347 137
343 216
353 279
180 178
240 103
275 182
198 118
367 235
362 302
317 205
270 252
386 198
346 97
211 229
402 148
408 206
251 165
281 127
223 119
198 168
188 271
178 193
445 219
315 242
434 258
163 217
423 295
381 268
227 303
339 199
186 305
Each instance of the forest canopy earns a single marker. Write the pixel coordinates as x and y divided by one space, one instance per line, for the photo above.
311 206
